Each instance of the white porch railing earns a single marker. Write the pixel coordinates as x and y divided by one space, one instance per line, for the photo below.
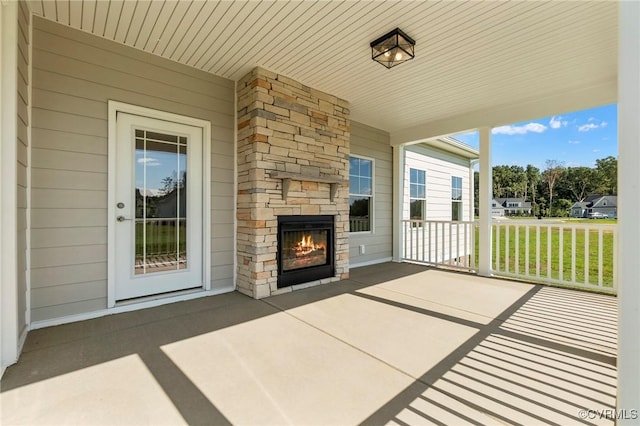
440 243
580 254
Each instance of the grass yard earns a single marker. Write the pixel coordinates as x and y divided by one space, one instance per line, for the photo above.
509 247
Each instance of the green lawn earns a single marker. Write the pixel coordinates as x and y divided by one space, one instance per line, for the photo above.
568 248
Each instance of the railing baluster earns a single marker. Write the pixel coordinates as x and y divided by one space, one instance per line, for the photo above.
467 263
538 251
497 227
430 240
573 254
549 252
586 256
526 250
450 251
561 254
423 233
517 259
404 252
615 259
600 251
473 245
506 248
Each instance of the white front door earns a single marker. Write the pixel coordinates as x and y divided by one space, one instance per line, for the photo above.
158 216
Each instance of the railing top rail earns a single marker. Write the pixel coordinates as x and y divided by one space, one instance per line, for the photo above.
567 225
462 222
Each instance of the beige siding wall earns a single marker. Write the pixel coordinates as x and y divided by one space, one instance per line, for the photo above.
23 158
74 75
373 143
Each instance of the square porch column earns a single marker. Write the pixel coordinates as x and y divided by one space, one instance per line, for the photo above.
628 224
484 203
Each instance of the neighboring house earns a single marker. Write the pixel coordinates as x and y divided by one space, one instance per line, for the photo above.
496 208
603 204
438 180
438 189
511 207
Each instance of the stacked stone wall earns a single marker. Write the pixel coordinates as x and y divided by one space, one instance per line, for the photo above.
285 126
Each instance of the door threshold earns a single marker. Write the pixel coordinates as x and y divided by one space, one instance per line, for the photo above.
167 295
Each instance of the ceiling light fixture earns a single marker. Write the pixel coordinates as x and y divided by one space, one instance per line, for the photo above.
392 48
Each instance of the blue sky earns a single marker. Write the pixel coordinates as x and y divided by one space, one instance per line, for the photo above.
577 139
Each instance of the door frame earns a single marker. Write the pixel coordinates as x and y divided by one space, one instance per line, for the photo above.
114 108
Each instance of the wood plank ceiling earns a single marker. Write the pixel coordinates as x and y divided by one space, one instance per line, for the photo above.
470 56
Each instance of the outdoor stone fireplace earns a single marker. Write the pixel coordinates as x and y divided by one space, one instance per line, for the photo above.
305 249
293 173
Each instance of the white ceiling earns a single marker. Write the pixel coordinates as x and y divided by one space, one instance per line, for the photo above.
470 56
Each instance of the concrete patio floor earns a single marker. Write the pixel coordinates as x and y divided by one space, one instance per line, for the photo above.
395 344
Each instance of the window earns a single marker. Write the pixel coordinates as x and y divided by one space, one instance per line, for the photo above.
456 198
360 194
417 194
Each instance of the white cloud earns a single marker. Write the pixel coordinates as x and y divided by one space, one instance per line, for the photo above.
587 127
519 130
574 142
149 161
557 122
596 150
592 124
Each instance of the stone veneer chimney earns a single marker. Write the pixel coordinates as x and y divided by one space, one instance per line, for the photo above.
301 133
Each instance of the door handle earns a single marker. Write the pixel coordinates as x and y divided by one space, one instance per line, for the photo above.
122 218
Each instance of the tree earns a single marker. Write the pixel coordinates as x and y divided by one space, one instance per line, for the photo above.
562 208
550 176
607 169
533 179
580 182
509 181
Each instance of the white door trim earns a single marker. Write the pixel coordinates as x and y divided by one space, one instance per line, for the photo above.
114 108
9 339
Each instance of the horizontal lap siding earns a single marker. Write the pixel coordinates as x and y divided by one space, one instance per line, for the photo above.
74 75
439 167
374 143
23 161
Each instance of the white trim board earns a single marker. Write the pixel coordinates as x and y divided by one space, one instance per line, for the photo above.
158 301
9 339
370 262
114 108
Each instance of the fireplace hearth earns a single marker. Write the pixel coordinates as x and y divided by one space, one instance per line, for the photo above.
305 249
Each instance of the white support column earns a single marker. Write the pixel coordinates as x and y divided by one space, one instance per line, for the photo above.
398 201
486 196
8 183
628 208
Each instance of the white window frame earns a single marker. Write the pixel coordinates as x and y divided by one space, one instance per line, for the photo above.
424 210
457 201
372 196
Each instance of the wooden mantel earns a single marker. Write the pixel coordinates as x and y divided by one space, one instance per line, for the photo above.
286 177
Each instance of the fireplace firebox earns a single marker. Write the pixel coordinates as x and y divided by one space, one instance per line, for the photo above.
305 249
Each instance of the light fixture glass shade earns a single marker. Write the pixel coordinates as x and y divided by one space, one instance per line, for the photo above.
392 48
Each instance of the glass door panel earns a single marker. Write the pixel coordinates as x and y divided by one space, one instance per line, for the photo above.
161 202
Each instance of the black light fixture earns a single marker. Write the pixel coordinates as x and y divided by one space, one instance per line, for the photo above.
392 48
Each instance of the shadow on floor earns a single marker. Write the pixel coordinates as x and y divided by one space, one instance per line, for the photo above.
549 354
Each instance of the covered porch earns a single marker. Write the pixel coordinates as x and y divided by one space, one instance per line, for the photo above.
389 342
393 344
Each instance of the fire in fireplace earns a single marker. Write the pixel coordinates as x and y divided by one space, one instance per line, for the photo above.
305 249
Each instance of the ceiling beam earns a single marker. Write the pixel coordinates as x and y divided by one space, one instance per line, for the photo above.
559 103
